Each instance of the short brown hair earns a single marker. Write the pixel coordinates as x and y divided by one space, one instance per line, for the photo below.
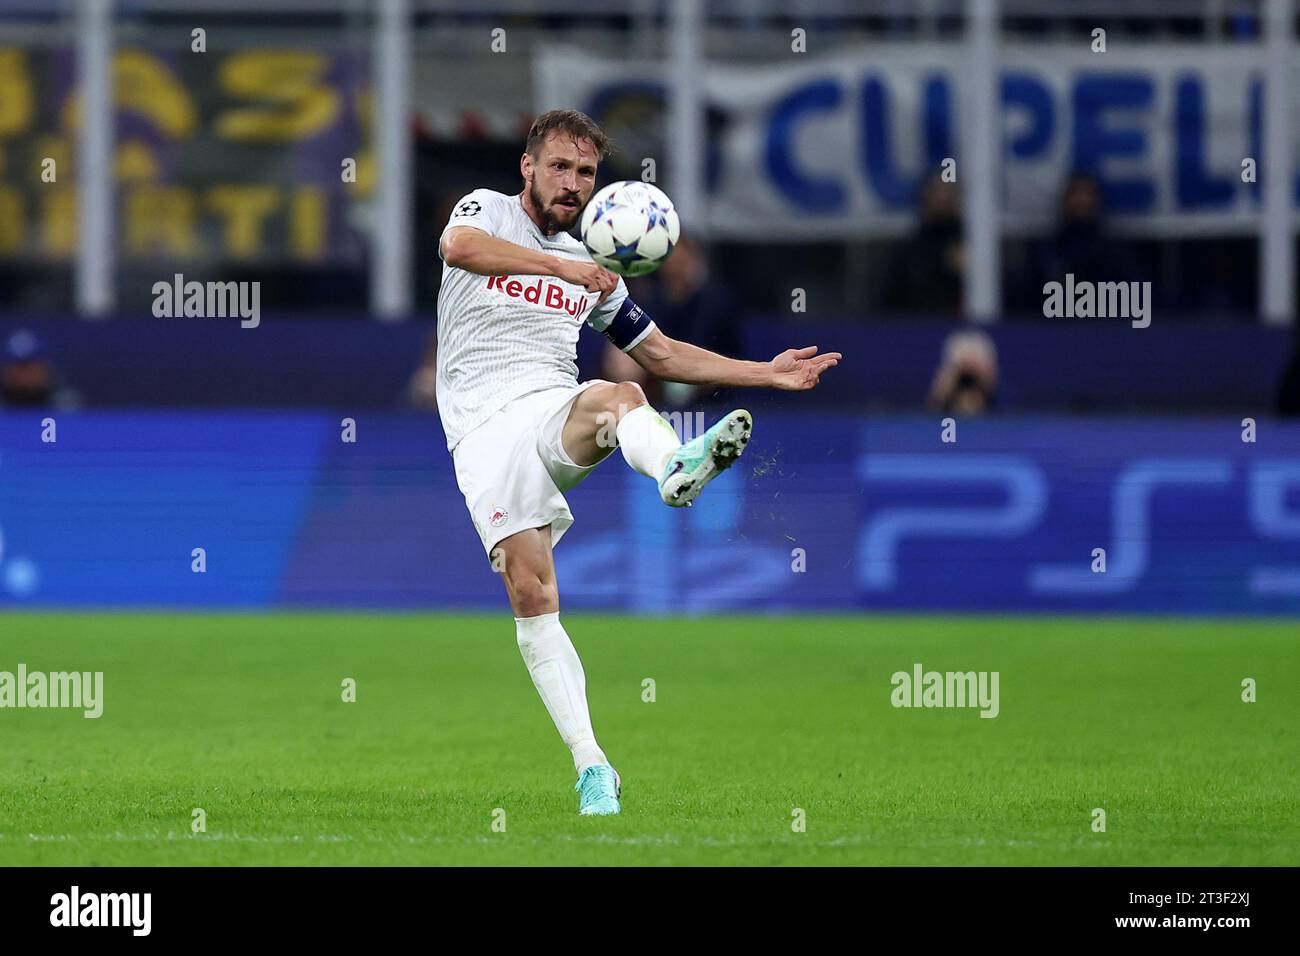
576 124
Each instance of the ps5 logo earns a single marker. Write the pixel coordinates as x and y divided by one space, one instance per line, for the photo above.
1021 490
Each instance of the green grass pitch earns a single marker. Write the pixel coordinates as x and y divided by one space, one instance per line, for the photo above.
242 716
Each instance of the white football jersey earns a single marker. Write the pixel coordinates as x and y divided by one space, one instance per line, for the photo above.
500 337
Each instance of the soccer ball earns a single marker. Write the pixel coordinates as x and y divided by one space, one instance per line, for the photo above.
630 227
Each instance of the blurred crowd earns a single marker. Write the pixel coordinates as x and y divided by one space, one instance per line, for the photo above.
927 270
29 377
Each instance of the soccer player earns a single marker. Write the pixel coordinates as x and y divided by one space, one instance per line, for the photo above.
521 429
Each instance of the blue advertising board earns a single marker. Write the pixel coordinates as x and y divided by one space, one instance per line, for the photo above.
825 513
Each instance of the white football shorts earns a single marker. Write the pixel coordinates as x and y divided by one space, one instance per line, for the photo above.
513 470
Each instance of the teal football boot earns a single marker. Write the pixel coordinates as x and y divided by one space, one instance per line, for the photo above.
600 788
703 458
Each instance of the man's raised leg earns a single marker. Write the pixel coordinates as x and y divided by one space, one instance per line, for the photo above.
610 414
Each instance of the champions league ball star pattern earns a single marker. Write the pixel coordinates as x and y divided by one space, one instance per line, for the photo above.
630 228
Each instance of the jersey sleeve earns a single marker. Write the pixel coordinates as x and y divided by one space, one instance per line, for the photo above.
621 320
481 209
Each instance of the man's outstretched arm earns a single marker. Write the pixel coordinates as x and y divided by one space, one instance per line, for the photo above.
793 370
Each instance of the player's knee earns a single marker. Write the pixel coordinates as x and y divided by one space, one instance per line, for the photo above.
627 396
531 596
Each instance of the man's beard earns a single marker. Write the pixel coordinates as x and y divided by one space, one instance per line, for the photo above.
549 223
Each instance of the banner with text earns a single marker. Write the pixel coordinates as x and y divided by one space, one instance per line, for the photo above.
252 156
836 146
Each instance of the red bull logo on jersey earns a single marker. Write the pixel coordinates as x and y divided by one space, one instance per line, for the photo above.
549 295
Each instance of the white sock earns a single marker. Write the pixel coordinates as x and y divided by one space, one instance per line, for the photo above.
557 674
647 441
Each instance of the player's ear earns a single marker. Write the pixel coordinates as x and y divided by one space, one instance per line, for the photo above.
526 167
